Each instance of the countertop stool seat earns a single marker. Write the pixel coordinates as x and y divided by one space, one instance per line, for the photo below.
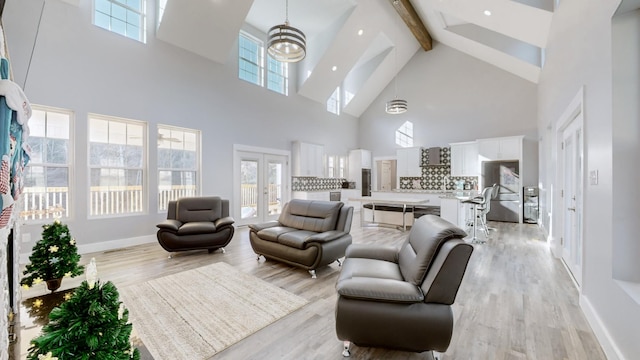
482 203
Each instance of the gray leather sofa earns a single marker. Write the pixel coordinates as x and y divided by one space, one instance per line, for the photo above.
308 234
196 223
401 298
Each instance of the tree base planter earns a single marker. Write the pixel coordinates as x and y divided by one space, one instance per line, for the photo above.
54 284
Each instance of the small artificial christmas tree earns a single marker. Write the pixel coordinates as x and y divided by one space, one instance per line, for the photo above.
53 257
92 324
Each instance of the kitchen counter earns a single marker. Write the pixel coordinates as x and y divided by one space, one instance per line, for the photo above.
375 216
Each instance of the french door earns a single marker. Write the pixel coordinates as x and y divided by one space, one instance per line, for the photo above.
573 154
262 186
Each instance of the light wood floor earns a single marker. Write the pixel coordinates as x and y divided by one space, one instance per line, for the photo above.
515 302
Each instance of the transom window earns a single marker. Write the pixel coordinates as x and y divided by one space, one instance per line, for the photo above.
124 17
46 179
277 76
178 164
333 104
116 166
251 65
404 135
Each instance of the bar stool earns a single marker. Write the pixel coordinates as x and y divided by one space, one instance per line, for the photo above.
479 203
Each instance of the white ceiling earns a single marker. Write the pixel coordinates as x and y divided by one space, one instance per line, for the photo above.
512 37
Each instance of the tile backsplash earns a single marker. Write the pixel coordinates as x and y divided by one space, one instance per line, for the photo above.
433 175
301 183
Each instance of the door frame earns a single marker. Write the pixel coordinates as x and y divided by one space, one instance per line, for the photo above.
573 112
239 148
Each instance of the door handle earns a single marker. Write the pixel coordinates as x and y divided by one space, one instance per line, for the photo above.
571 209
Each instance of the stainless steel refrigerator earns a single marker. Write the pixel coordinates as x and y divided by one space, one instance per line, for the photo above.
366 182
506 205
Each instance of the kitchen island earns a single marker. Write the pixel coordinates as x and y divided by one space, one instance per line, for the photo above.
450 203
395 212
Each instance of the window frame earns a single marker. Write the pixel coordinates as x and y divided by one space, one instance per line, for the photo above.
404 138
70 168
334 103
265 75
198 170
144 191
142 16
260 62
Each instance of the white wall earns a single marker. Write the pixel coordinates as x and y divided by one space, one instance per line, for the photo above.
579 54
452 98
87 69
626 147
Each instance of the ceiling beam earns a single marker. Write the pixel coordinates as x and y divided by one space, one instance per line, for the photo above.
413 21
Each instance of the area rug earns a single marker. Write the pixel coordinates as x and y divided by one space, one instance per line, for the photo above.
198 313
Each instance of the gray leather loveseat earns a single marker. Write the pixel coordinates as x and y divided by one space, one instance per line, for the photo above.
308 234
401 298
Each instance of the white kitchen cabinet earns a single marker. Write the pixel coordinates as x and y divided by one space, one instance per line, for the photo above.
408 162
456 212
464 159
504 148
361 158
358 159
308 159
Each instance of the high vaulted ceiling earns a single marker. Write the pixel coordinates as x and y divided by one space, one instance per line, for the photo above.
510 34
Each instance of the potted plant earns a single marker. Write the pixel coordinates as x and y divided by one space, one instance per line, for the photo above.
54 257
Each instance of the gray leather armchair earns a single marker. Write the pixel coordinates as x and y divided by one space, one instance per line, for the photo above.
196 223
401 298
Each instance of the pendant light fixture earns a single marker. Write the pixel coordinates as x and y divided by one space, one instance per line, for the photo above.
286 43
396 106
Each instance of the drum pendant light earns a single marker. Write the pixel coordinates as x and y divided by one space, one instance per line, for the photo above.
286 43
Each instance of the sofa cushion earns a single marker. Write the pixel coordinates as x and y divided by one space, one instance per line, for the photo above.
272 233
427 234
197 227
206 208
318 216
369 268
296 239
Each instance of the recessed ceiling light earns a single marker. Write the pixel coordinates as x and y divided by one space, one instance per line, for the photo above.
487 12
334 68
360 32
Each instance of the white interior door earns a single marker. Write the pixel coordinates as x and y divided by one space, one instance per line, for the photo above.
385 175
572 138
263 186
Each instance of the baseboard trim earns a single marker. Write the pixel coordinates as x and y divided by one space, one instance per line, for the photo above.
609 347
104 246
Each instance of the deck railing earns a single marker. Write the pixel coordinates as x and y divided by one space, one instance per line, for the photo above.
42 203
249 194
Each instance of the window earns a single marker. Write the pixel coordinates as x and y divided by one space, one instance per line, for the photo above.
336 166
117 161
162 4
333 104
251 59
404 135
277 76
178 164
124 17
46 179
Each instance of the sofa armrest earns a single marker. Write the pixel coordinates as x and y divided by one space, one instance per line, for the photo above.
375 289
227 220
170 224
368 251
326 236
258 227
